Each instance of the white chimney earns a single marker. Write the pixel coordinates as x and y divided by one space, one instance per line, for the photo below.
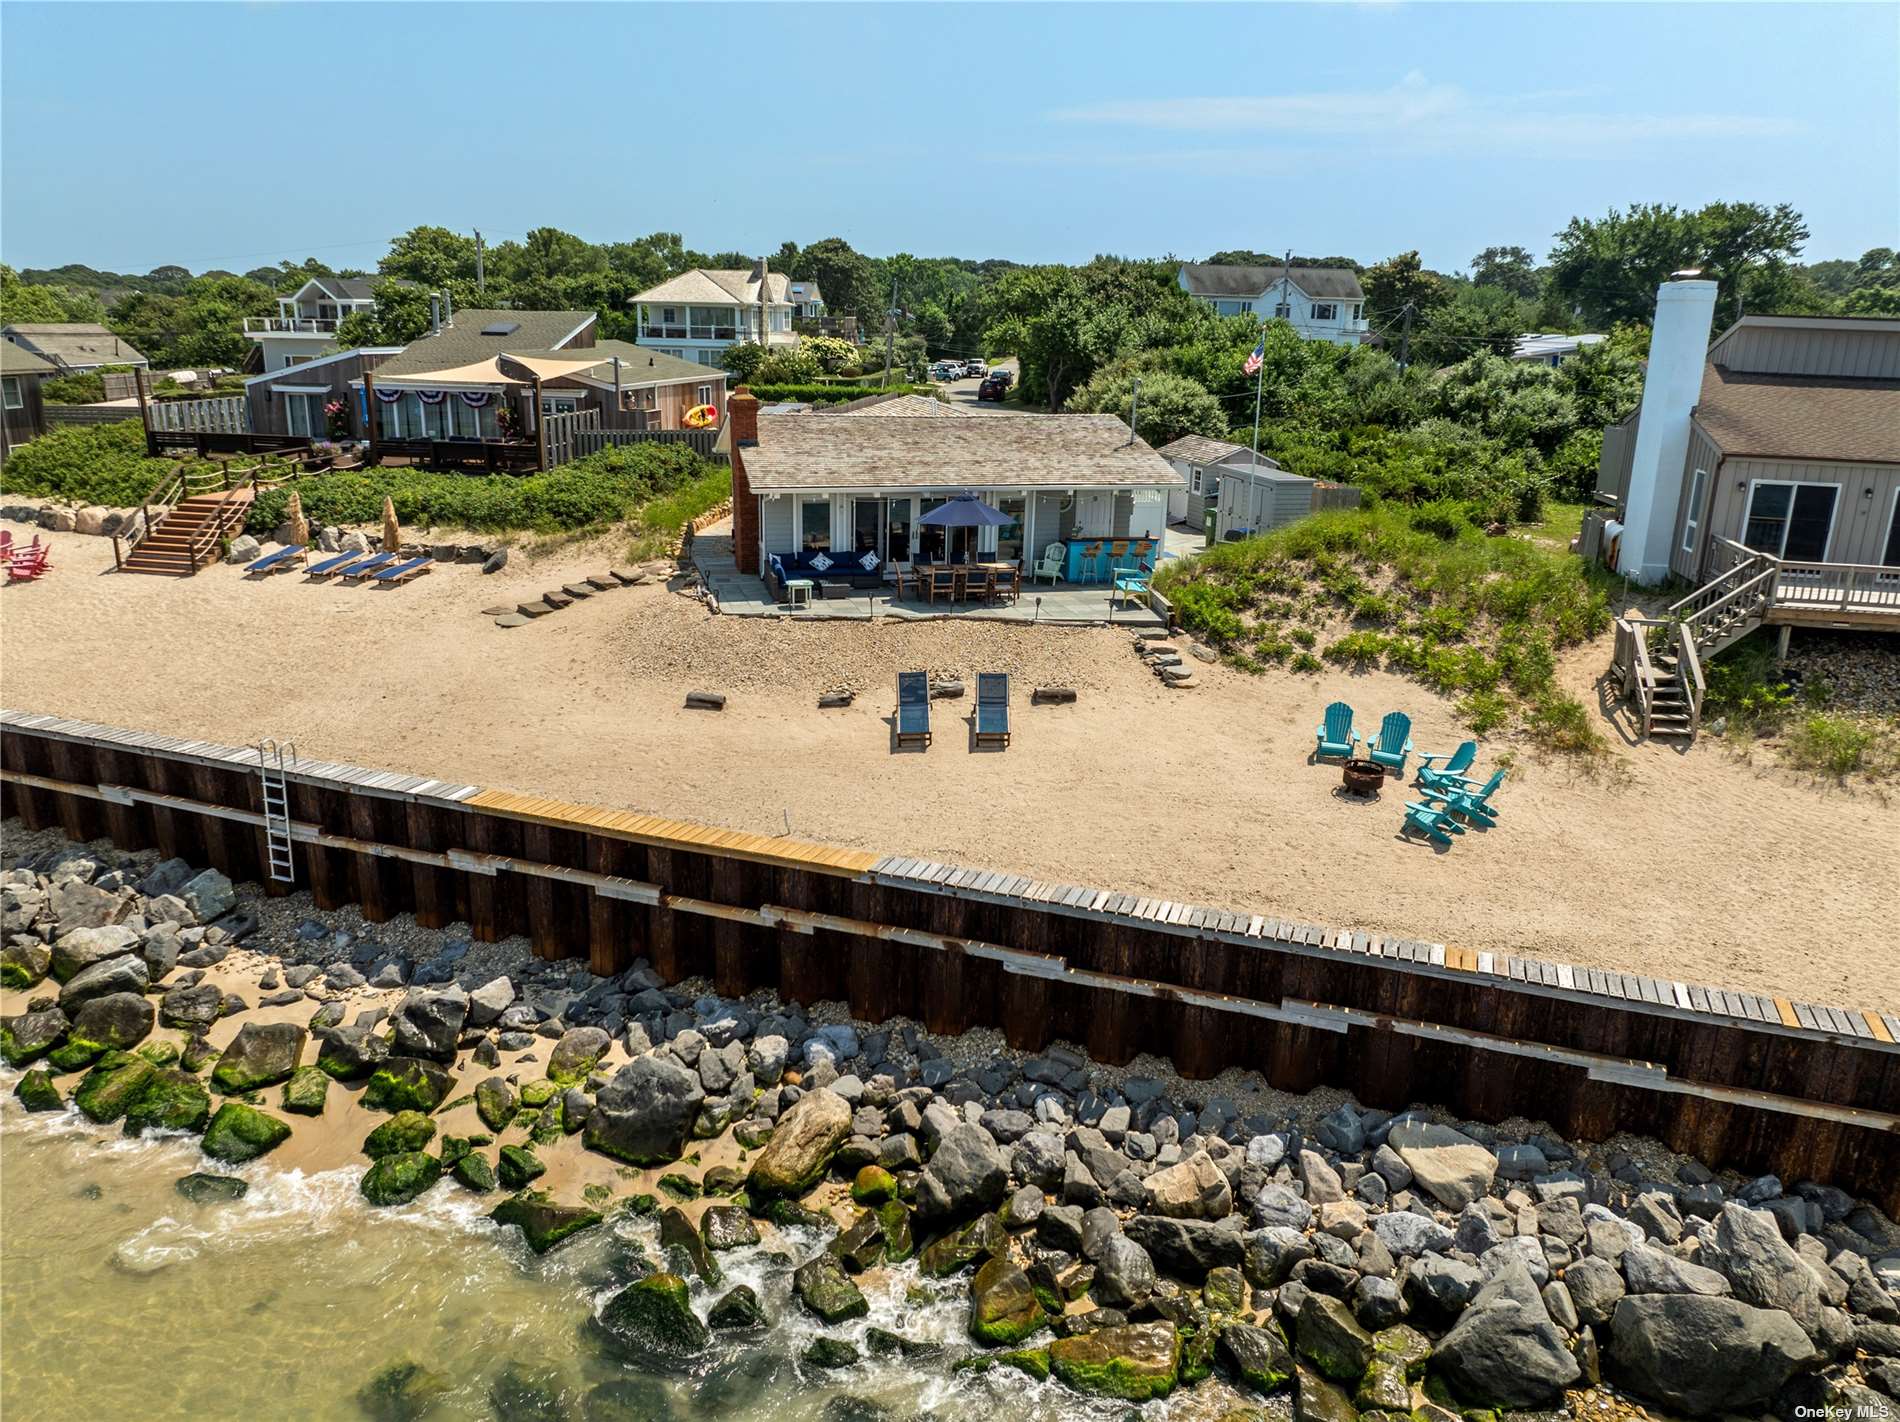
1678 350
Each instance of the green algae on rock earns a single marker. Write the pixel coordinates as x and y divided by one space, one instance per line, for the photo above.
518 1165
543 1222
407 1084
262 1054
31 1035
110 1088
306 1091
37 1091
172 1100
1133 1362
1003 1307
203 1188
496 1103
740 1308
239 1133
398 1178
404 1131
653 1319
473 1171
402 1392
802 1144
824 1288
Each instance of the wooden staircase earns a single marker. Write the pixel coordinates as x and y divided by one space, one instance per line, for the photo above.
183 530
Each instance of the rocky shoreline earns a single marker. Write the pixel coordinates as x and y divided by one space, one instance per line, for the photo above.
1118 1234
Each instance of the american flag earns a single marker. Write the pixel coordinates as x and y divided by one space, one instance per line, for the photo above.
1258 357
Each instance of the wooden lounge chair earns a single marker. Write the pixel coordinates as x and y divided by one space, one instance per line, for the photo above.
333 565
1335 733
1454 767
913 708
359 572
403 572
1436 825
282 561
1394 742
992 709
1469 799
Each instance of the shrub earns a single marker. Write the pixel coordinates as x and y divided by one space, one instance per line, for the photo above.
811 394
1831 743
1307 662
88 464
1357 649
1563 723
1444 518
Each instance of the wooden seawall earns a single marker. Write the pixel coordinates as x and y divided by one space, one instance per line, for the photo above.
1804 1090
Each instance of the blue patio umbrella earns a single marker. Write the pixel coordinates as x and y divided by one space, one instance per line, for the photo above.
966 511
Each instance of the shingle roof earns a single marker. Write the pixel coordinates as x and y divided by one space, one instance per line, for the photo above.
74 343
958 452
928 406
17 360
1198 449
462 342
717 287
1326 283
639 365
1800 416
804 291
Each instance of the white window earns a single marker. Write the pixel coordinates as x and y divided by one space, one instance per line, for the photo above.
1194 481
13 398
709 357
1282 312
703 396
559 404
1325 311
1692 518
389 421
1358 310
303 415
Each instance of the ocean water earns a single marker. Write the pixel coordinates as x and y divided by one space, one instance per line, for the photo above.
119 1298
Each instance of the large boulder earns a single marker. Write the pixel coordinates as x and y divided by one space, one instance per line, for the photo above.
646 1112
74 903
490 1000
653 1322
1132 1362
239 1133
111 1087
117 1020
1331 1339
1193 1189
1124 1274
191 1008
262 1054
543 1222
1259 1357
1698 1355
399 1177
24 962
408 1084
345 1053
968 1173
802 1144
209 895
1449 1165
429 1023
1188 1249
1748 1250
31 1035
83 947
1004 1309
1504 1351
1657 1271
126 973
823 1287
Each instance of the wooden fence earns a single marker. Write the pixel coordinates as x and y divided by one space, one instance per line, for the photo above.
90 414
576 435
215 414
1764 1084
1335 496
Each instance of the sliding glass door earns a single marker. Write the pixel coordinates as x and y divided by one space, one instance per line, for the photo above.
1794 522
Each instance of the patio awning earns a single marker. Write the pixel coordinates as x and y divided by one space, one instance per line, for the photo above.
495 370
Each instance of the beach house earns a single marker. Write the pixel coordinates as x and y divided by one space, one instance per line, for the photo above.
1321 303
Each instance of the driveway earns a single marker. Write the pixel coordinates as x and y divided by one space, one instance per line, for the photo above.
963 393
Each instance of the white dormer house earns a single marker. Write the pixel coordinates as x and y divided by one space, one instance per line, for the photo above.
306 321
697 314
1321 303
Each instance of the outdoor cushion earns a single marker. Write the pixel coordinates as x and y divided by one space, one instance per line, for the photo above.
820 561
868 562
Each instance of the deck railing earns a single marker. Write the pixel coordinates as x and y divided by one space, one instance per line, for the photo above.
290 325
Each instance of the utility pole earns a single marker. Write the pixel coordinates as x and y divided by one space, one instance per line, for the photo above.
1405 338
480 284
1134 409
890 332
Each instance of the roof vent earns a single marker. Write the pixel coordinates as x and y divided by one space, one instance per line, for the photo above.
501 328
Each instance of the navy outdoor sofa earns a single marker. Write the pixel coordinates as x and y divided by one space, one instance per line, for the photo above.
840 568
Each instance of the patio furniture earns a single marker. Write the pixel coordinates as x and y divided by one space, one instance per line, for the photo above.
1394 742
1470 799
6 545
331 566
30 563
1130 583
1362 777
357 572
1050 564
1008 583
992 709
798 591
1335 733
403 572
1143 547
1091 555
979 583
940 579
1455 764
913 708
1435 825
283 560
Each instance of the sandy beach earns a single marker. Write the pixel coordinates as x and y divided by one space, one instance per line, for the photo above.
1691 865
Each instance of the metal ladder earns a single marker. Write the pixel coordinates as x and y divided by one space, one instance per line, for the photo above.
272 760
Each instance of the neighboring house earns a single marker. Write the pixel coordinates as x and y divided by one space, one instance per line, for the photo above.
1321 303
1552 350
807 303
1200 462
292 401
855 489
1782 437
697 314
24 410
926 405
306 322
74 346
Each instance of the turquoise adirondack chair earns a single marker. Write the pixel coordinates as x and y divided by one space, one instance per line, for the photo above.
1436 825
1470 799
1456 764
1335 733
1394 742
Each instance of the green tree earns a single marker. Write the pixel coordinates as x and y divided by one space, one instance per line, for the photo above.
1479 318
1397 282
1872 301
1512 268
1604 381
844 279
1170 405
742 360
31 302
1742 239
400 315
431 257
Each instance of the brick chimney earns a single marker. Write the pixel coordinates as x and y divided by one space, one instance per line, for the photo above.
742 418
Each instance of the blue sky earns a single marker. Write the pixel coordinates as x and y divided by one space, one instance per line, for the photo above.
231 135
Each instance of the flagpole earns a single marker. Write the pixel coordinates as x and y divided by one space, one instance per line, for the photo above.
1259 377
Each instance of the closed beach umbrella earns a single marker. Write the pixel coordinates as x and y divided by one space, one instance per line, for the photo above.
392 531
299 525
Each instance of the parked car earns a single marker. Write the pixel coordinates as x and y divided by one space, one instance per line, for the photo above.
975 367
994 387
944 370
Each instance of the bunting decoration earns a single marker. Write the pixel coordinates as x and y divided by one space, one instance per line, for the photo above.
389 397
432 397
475 399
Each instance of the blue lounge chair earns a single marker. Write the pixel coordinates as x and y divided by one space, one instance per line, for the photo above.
1436 825
403 572
913 708
1469 798
367 568
280 561
1394 742
1456 764
992 708
1335 733
331 565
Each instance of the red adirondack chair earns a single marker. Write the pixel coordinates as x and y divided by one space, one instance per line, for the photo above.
29 562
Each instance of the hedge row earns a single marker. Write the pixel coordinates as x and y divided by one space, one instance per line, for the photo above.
88 464
830 394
